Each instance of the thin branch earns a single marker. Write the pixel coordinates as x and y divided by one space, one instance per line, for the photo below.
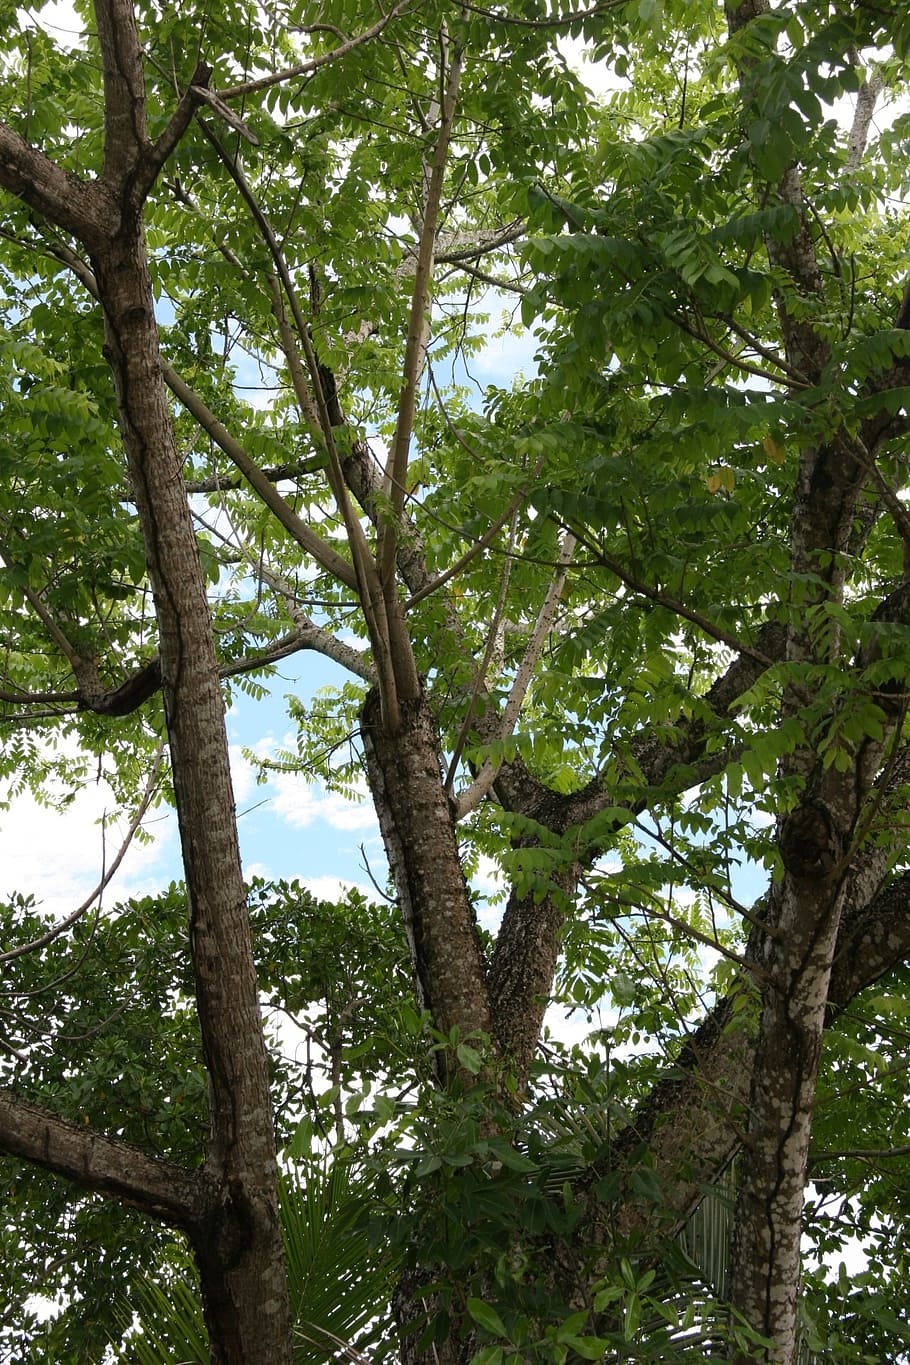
365 578
752 342
479 545
481 243
307 68
859 1154
218 106
306 634
725 896
166 144
711 628
68 650
415 350
732 357
274 474
480 672
559 21
508 286
37 698
323 553
106 876
306 537
890 498
471 797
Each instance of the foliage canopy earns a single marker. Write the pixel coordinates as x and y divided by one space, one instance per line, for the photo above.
634 628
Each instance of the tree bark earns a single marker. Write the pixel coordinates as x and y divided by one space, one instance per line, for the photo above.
239 1245
418 830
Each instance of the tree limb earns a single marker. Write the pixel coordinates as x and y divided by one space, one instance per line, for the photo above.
485 779
307 68
395 478
164 1191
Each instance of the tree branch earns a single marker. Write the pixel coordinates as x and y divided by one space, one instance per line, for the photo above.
323 553
164 1191
485 779
307 68
395 479
85 208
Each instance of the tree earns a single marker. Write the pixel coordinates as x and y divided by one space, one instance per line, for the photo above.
652 603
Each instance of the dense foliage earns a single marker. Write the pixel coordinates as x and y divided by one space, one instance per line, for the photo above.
652 598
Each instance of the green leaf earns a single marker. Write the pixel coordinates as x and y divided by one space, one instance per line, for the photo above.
486 1317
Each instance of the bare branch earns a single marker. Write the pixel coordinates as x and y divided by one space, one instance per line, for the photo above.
168 141
457 247
68 650
858 1154
274 474
395 666
558 21
307 68
258 479
218 106
415 351
105 1165
485 779
480 672
305 635
494 281
711 628
107 875
306 537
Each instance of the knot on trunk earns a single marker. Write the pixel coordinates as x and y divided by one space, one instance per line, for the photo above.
810 846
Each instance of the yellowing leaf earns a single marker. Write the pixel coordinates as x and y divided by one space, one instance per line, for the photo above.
774 450
723 478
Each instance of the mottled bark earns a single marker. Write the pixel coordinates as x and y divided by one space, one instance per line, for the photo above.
521 973
239 1247
766 1255
418 829
105 1165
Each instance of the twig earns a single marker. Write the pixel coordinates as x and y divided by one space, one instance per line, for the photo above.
307 68
44 939
471 797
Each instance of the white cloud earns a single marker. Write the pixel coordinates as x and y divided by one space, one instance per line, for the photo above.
61 21
300 803
58 856
262 870
336 888
243 776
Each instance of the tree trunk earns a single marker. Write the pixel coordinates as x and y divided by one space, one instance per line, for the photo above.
766 1257
418 830
238 1245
